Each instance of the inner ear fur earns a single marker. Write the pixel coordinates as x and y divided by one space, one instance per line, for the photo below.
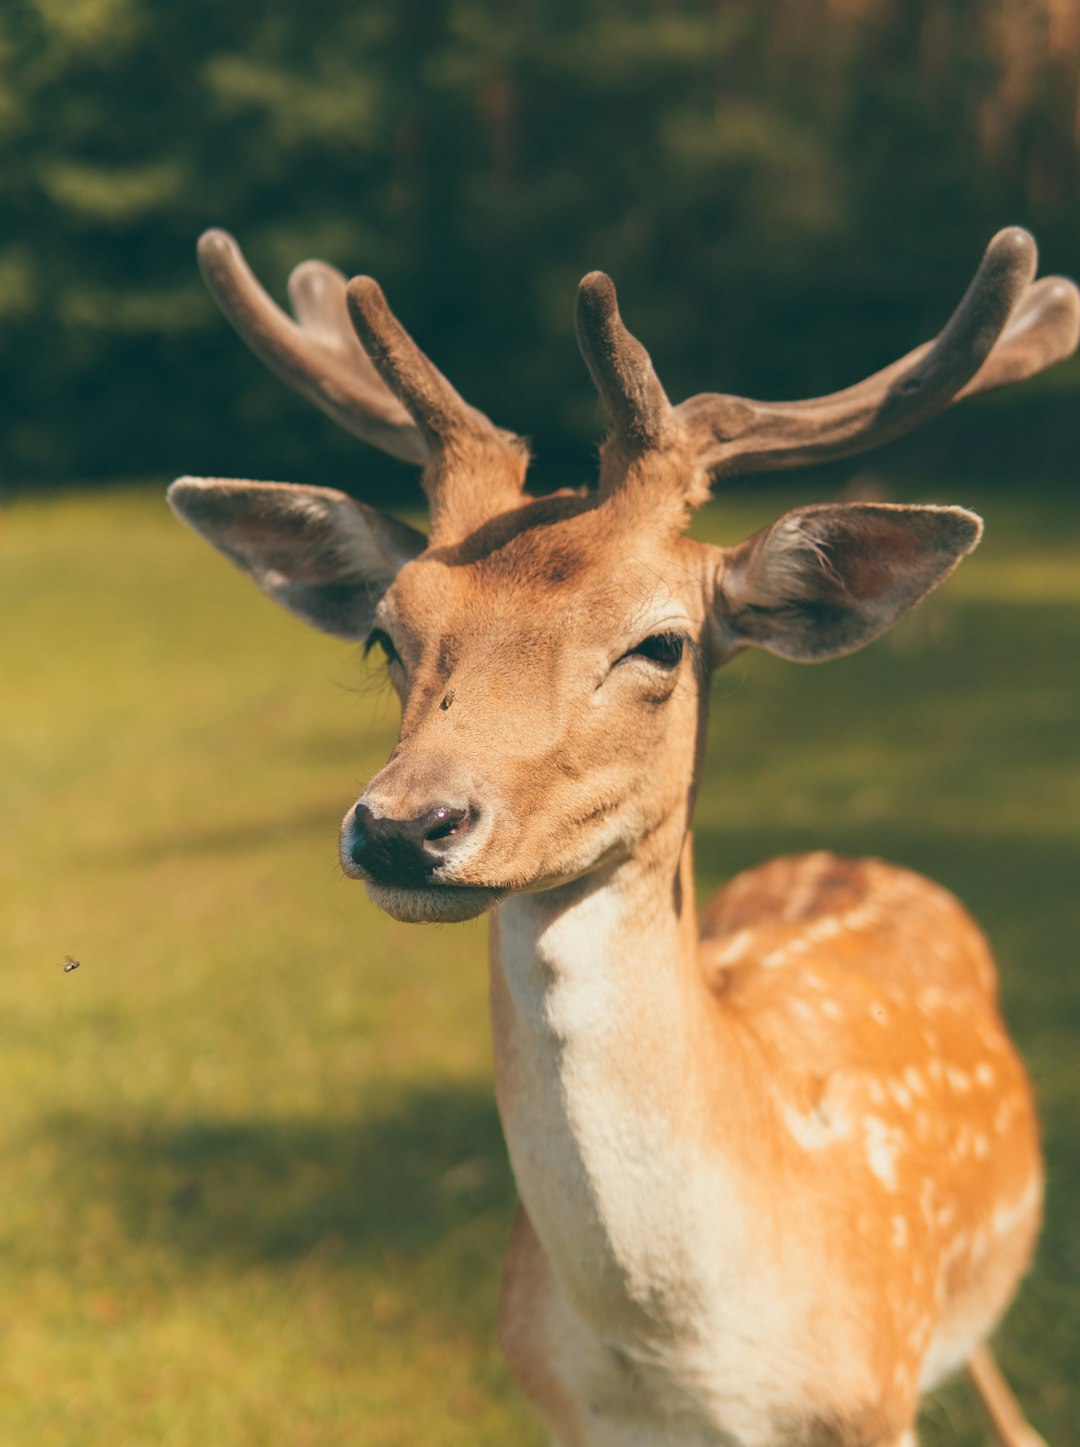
823 581
318 552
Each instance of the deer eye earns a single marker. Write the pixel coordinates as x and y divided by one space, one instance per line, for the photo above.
378 639
663 649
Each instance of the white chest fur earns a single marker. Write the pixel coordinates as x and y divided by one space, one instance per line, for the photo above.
652 1247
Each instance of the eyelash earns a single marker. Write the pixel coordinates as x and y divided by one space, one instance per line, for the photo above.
663 649
378 639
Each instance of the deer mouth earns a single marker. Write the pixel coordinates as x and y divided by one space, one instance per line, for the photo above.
433 903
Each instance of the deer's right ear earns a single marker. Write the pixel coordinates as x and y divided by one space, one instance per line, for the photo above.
319 553
823 581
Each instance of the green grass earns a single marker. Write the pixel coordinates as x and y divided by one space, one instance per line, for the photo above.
254 1189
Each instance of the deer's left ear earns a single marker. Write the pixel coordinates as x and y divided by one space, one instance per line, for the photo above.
318 552
822 581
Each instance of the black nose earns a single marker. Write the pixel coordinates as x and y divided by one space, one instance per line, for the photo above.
405 851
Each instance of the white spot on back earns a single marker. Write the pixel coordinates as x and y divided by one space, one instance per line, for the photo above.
804 891
824 929
914 1080
735 948
880 1153
862 917
1005 1218
785 953
816 1129
1004 1114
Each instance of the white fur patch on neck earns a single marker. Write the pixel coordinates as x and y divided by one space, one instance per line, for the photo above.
652 1240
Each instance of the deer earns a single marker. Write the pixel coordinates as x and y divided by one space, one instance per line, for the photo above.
778 1167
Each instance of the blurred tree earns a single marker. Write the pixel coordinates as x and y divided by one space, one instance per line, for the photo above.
788 192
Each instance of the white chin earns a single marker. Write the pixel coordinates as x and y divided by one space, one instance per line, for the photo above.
440 904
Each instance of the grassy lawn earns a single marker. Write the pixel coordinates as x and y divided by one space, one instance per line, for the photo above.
255 1191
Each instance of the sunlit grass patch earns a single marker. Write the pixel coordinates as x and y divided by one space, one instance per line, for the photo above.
254 1186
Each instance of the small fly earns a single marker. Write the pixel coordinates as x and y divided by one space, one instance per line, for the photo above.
70 964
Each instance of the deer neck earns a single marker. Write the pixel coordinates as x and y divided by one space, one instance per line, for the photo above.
601 952
597 1014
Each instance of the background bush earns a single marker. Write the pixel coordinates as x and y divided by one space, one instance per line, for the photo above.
788 192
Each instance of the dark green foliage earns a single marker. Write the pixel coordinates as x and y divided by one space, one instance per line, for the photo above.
788 192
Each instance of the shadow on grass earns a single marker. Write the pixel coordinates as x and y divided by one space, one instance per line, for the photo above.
412 1169
419 1191
252 1192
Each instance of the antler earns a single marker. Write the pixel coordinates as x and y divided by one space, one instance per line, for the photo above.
318 354
1006 328
394 398
620 367
440 412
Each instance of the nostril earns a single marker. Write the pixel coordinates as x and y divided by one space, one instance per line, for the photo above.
359 835
404 851
443 822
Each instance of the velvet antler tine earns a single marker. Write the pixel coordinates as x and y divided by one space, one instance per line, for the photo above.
620 367
352 358
309 357
1044 329
475 470
440 411
317 297
736 434
934 377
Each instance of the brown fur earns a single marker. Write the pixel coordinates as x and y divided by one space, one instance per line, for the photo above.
895 1019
